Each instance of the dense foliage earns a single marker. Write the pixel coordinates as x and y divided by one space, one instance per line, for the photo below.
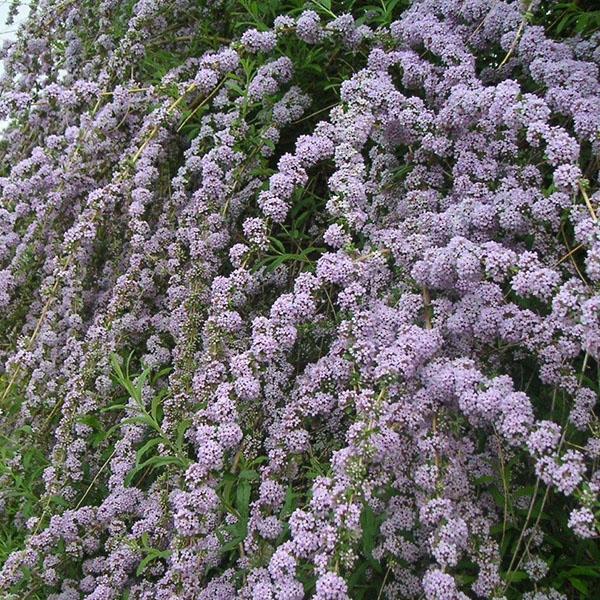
300 300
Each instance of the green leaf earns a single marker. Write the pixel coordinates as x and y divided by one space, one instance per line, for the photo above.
579 585
156 402
141 381
233 543
497 496
584 570
182 427
370 530
515 576
278 246
144 419
117 369
154 463
390 5
147 446
485 480
359 574
162 373
564 22
290 501
59 500
242 497
161 461
113 407
152 555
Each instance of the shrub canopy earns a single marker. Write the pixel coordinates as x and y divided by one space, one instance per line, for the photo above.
300 300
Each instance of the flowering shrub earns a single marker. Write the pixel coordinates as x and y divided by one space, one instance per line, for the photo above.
299 301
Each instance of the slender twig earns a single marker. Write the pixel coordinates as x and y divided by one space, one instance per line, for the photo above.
587 201
517 37
87 491
505 489
384 582
155 129
317 112
203 103
568 254
573 260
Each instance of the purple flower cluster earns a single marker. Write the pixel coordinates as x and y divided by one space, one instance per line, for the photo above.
459 209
